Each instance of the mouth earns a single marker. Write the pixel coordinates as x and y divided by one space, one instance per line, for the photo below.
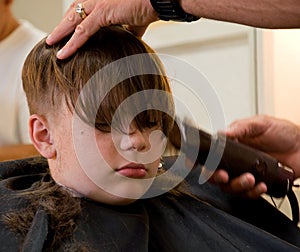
133 170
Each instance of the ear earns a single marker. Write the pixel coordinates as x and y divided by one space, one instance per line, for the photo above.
41 137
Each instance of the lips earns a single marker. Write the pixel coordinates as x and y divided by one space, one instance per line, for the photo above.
133 171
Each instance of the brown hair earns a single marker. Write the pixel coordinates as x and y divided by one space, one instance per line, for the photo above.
48 82
111 55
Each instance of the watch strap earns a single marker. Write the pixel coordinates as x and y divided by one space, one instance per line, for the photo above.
171 10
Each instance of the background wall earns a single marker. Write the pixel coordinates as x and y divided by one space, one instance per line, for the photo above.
44 14
224 53
279 73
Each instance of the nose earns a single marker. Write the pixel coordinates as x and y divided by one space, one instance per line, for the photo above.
135 140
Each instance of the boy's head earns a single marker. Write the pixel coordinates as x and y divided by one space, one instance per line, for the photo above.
104 85
49 82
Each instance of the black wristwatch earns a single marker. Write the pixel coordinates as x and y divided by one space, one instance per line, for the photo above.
171 10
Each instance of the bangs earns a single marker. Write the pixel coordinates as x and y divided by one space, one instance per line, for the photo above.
144 101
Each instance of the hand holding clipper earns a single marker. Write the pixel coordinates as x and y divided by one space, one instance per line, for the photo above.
234 157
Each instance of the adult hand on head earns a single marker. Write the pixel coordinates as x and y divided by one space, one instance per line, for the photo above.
277 137
136 14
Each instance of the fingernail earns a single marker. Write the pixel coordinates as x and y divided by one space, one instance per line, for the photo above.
49 38
244 182
60 54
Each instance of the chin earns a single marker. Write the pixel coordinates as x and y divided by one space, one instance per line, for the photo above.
122 201
114 200
123 194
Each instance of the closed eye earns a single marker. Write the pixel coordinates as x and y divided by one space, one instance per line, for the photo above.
103 127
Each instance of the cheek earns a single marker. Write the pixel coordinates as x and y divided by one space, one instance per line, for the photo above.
63 141
106 147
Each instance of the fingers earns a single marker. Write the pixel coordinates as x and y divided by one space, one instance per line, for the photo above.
249 127
243 185
67 25
220 177
238 129
81 34
239 184
257 191
99 14
72 21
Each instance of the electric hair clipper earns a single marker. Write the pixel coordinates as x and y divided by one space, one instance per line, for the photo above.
219 152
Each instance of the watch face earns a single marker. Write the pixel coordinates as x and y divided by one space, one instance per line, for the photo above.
171 10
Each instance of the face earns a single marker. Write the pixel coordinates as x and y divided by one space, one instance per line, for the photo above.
109 167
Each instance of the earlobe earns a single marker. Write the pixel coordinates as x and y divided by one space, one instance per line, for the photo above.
41 136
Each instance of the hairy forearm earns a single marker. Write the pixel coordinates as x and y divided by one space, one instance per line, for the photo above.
17 152
257 13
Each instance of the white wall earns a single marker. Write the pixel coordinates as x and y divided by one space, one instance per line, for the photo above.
279 73
44 14
223 52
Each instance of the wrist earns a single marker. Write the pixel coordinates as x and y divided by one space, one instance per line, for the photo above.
189 6
151 11
172 10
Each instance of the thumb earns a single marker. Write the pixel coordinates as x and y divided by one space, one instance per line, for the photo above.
235 131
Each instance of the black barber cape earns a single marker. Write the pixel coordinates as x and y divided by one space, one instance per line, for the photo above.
214 222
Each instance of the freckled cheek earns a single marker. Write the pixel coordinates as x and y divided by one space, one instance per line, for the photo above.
63 139
107 149
65 146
